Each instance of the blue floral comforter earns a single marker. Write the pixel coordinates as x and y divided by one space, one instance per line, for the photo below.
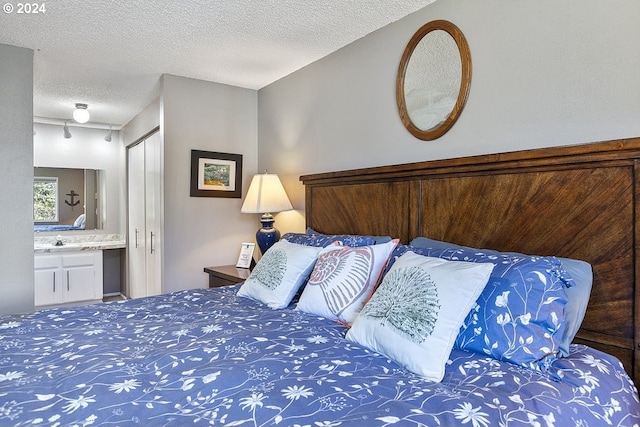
207 357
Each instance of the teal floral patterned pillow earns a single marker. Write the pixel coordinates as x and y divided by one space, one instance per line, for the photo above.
520 315
343 279
415 314
324 240
280 273
377 239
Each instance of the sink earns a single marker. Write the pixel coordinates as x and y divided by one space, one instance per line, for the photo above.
68 245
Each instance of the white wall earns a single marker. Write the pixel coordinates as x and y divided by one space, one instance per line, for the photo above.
16 174
204 231
545 73
86 149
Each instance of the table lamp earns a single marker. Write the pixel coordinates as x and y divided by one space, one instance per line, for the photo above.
266 195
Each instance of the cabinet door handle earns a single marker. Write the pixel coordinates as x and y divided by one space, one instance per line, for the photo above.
137 238
67 279
152 250
54 281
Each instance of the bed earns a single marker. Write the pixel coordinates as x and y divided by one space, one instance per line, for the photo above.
208 357
221 357
78 224
55 227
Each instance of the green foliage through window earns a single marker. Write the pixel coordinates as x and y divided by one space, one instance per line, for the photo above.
45 199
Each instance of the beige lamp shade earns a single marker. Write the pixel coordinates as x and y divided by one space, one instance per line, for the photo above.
266 194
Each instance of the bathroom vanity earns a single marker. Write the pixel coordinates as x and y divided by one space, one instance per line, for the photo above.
71 273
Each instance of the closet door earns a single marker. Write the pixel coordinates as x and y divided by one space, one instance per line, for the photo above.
136 220
153 210
145 217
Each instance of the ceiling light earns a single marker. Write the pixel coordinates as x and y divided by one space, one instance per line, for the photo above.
108 137
65 130
80 114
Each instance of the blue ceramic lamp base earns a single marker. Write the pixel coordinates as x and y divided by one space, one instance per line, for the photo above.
268 234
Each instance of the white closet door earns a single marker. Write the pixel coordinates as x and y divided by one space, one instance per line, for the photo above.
137 218
153 193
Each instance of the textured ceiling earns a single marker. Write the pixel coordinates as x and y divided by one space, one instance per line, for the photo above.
111 53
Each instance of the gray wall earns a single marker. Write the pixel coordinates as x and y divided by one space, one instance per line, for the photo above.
204 231
16 173
200 115
141 124
545 73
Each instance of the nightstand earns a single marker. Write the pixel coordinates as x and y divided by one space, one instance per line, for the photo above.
225 275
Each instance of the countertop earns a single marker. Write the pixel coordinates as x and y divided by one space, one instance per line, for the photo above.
79 242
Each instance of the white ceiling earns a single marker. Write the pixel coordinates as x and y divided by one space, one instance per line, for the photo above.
110 54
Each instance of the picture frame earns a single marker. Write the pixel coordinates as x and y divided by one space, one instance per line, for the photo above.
245 259
216 174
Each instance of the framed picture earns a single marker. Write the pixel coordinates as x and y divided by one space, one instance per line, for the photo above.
216 174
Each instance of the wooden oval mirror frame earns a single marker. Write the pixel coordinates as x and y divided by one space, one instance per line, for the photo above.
465 81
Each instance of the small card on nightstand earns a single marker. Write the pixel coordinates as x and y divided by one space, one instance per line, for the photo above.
246 255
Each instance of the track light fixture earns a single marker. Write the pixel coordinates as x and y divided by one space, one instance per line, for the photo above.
81 114
65 130
108 136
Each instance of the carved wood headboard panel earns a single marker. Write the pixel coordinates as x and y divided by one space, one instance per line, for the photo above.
575 202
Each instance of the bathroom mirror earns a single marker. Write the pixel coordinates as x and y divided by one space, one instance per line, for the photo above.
66 199
433 79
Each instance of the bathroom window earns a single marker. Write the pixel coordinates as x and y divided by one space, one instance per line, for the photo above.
45 199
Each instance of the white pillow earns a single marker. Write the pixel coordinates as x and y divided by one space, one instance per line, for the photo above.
80 221
280 273
416 312
343 279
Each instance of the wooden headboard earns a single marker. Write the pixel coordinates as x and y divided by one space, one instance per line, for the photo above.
578 201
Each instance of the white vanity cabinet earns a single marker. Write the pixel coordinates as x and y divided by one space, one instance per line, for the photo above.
72 277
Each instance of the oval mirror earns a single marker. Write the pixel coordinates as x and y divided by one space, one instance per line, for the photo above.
433 80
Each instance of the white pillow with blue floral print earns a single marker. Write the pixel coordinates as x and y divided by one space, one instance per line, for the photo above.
520 317
279 274
414 316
